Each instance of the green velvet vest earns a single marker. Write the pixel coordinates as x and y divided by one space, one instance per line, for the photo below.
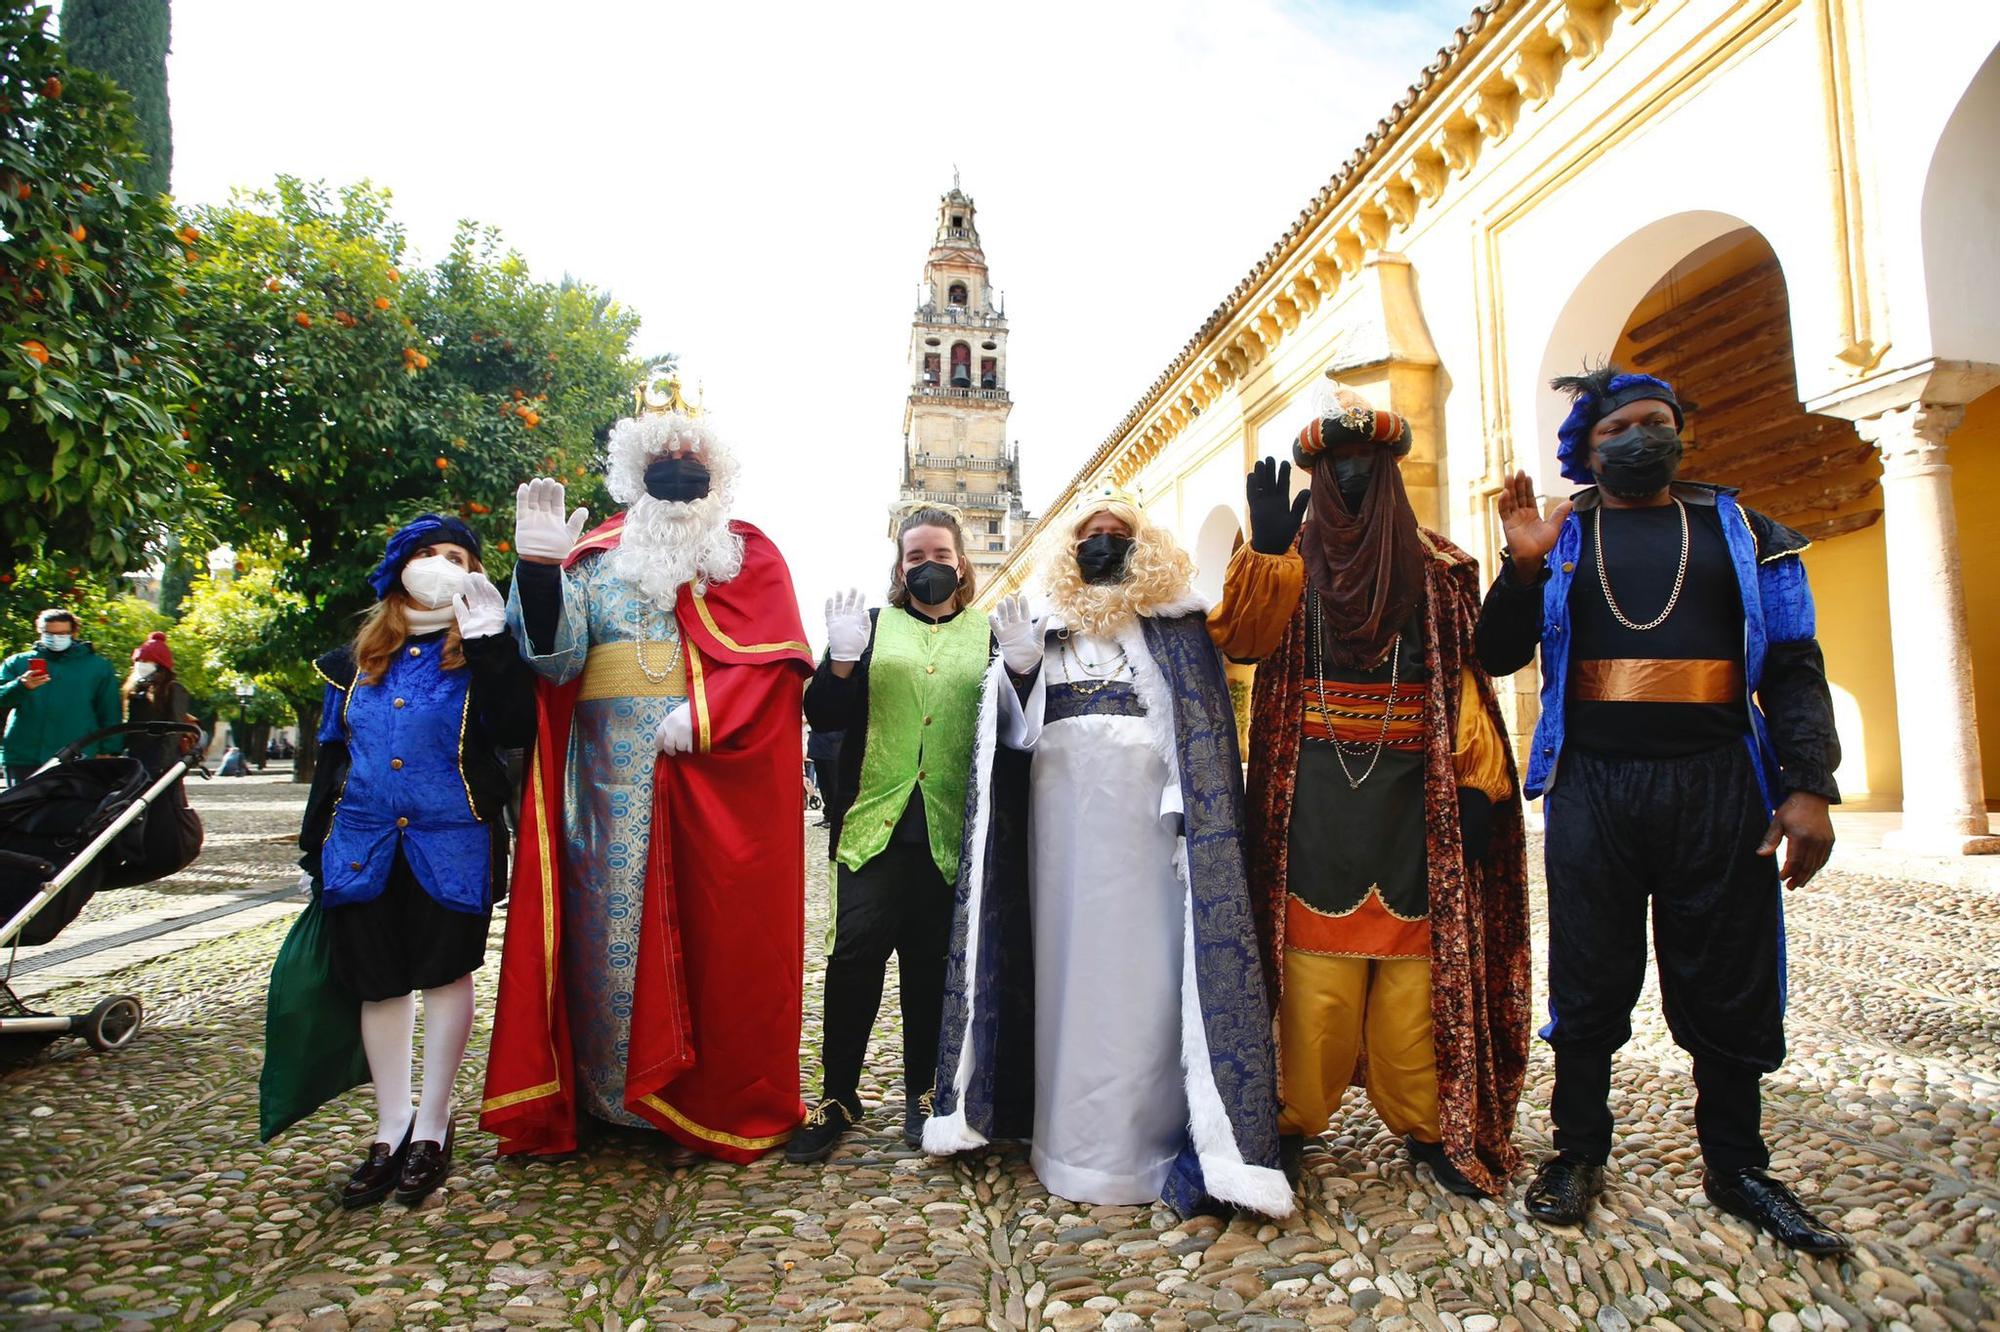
923 710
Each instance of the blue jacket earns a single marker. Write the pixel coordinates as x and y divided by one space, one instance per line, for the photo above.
1791 737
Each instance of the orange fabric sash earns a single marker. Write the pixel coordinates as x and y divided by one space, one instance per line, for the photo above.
1642 680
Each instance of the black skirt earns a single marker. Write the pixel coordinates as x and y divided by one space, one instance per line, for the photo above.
403 940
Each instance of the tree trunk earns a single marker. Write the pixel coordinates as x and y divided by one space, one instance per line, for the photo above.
307 759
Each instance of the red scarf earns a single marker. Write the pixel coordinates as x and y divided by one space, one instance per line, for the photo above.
1367 567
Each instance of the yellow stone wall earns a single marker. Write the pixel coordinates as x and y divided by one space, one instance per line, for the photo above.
1975 486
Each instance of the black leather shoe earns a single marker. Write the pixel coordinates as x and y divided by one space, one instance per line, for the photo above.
1765 1203
1448 1175
1563 1190
914 1114
815 1139
429 1164
373 1178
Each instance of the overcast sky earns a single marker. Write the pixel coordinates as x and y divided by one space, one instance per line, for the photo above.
760 182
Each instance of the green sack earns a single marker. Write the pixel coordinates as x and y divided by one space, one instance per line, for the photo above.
312 1030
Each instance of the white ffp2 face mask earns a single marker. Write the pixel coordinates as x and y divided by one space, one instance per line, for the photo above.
433 581
55 642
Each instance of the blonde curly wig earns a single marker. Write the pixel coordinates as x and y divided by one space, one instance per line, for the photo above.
1158 573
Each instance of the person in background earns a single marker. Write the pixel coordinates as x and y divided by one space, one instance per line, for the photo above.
54 694
823 758
153 693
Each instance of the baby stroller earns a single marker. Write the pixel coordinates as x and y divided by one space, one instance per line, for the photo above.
77 825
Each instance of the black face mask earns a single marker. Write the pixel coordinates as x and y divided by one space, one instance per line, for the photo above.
677 480
1351 477
931 583
1103 558
1639 462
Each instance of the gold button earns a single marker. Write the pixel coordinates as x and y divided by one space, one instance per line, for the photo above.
887 824
402 823
921 774
1569 566
416 652
927 721
354 864
401 701
934 628
930 670
396 763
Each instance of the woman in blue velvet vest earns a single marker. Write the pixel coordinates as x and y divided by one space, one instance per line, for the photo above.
405 834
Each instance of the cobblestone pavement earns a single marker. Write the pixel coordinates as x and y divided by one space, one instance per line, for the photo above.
133 1192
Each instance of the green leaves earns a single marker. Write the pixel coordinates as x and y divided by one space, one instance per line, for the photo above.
89 308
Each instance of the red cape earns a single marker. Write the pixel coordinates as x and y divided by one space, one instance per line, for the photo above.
714 1058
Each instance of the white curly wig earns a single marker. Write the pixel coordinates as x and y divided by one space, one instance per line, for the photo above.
667 543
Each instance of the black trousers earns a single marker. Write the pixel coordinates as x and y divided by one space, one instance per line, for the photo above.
896 903
1681 834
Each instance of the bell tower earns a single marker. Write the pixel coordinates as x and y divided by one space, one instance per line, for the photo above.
955 449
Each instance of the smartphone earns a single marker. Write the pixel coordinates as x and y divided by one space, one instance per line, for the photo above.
38 666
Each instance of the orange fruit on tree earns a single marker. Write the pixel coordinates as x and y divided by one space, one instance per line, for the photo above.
194 469
443 463
36 350
272 285
77 233
381 302
188 233
52 86
302 319
506 545
530 419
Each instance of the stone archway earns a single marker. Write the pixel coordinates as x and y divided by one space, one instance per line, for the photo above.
1215 541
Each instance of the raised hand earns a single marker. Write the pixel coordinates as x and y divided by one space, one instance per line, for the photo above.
1531 535
847 626
481 611
1274 515
1015 632
541 534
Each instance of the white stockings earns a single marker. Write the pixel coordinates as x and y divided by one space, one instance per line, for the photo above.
388 1034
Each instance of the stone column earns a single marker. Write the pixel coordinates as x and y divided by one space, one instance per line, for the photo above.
1944 788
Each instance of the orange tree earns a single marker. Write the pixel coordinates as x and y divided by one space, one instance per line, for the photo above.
92 463
345 390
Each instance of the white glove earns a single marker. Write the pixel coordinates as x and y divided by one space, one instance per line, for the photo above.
846 626
481 613
541 535
675 734
1018 635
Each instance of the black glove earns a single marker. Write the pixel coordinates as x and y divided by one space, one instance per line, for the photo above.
1475 823
1274 520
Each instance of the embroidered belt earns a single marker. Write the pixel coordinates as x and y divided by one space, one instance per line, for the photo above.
1108 698
1352 712
1640 680
613 670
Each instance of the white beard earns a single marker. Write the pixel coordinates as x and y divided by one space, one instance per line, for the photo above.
665 544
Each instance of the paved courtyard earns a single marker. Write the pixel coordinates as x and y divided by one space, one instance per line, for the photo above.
133 1192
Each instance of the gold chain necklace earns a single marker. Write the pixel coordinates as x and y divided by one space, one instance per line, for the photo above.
1680 575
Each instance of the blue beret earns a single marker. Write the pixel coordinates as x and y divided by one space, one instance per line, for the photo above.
423 530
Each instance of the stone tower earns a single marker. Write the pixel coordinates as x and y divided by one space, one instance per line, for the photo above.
955 448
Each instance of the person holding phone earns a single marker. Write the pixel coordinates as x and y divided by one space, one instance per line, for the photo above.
53 695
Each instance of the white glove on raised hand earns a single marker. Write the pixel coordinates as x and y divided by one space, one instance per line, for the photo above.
675 733
1018 635
541 534
846 626
481 611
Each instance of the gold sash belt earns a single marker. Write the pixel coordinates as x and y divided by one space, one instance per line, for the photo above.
1639 680
614 670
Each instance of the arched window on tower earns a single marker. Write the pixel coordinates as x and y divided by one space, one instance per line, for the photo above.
989 373
961 365
930 369
956 296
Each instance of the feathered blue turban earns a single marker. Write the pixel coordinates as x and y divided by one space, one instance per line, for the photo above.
1597 395
423 530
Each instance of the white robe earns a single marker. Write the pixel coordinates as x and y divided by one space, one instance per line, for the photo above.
1111 1110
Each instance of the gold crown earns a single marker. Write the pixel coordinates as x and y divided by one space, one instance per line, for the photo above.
1091 500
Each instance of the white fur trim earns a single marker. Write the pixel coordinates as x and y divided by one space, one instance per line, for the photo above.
1228 1176
945 1134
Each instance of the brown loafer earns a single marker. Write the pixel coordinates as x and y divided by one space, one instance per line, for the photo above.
428 1165
373 1178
